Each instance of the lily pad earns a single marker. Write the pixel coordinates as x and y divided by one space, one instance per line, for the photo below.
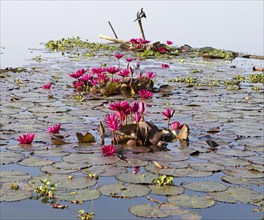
206 166
204 186
105 170
132 163
56 152
229 161
78 195
35 162
7 157
148 211
235 195
10 195
121 190
195 202
242 181
140 178
244 173
64 182
71 166
166 190
188 172
236 152
13 176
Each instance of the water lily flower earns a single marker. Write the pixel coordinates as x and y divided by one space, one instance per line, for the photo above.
176 125
169 42
108 150
54 128
96 70
124 73
136 170
134 107
26 138
161 50
141 107
78 84
119 55
165 66
137 117
46 86
168 114
145 94
86 77
116 80
130 59
112 122
102 78
112 70
120 107
78 73
150 75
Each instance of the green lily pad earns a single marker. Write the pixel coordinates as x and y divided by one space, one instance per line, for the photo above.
35 162
164 156
140 178
55 152
188 172
166 190
13 176
204 186
147 211
10 195
236 152
208 167
255 159
195 202
235 195
105 170
242 181
244 173
121 190
78 195
64 182
71 166
229 161
7 157
132 163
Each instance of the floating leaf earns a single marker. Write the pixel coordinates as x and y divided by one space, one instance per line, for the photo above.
59 206
166 190
64 183
229 161
235 152
78 195
242 181
206 166
132 163
13 176
235 195
140 178
87 138
189 172
184 133
195 202
147 211
35 162
70 166
7 194
105 170
244 173
56 152
7 157
121 190
204 186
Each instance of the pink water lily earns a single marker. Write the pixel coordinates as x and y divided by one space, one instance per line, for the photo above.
161 50
96 70
130 59
46 86
134 107
102 78
26 138
54 128
176 125
124 73
119 55
112 121
141 107
120 107
86 77
137 117
78 73
78 84
165 66
108 150
168 114
169 42
150 75
145 94
116 80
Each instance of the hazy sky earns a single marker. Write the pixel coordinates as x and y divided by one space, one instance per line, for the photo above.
235 25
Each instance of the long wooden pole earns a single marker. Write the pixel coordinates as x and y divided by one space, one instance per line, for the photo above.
112 29
141 28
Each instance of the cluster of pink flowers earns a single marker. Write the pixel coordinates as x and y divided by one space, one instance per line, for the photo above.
168 113
138 42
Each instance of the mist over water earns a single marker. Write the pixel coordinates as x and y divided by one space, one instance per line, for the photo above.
234 25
